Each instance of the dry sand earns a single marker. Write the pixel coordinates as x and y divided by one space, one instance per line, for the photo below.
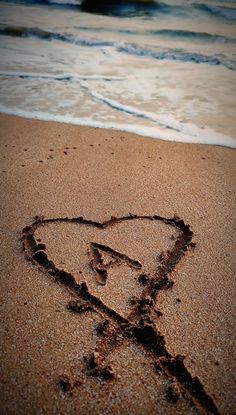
112 353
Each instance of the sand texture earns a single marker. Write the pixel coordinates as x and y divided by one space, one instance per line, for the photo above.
117 273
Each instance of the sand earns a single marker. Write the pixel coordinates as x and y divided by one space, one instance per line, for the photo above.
128 315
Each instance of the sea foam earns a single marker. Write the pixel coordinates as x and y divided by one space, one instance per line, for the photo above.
149 74
196 135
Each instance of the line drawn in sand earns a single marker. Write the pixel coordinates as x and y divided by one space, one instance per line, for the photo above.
139 325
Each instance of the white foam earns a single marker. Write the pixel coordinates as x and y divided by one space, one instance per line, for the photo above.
178 131
160 120
145 95
64 76
201 136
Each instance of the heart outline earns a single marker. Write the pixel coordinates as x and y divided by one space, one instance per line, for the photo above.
144 332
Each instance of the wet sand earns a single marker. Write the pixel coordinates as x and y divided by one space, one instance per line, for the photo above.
128 315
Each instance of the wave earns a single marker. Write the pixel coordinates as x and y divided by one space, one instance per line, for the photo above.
192 133
46 35
132 49
160 120
74 4
163 127
125 8
188 34
228 13
61 77
120 8
128 109
65 2
179 55
169 33
132 8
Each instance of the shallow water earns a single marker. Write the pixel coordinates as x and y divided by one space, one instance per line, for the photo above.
166 71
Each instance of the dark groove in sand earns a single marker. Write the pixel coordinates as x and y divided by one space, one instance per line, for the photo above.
143 331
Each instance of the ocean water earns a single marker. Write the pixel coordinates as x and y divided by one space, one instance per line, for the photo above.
165 70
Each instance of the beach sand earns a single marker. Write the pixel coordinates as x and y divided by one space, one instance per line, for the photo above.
111 353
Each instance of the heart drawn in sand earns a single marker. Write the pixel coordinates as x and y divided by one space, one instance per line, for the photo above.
117 268
117 261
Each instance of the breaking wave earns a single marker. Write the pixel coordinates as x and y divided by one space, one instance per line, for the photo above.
132 49
134 8
228 13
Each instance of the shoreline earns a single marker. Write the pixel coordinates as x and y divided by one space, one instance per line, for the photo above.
58 171
155 133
